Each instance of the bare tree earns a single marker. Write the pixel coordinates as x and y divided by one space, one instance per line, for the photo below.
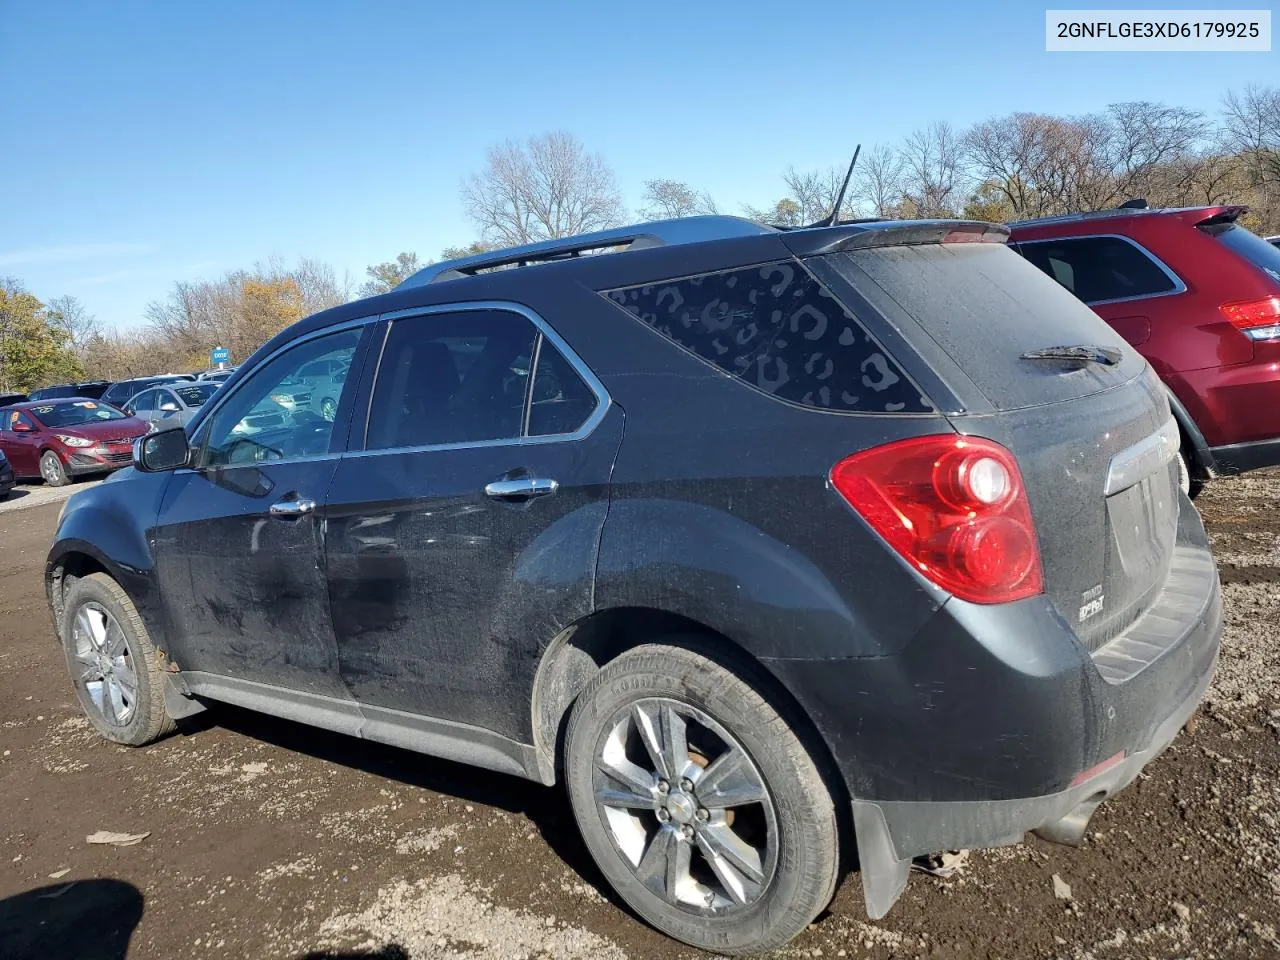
670 199
815 191
932 160
547 187
1144 142
1251 120
877 180
69 315
320 286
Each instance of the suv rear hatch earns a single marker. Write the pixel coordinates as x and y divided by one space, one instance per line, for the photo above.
1091 436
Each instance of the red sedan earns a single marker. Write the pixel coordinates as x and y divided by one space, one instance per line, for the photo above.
60 439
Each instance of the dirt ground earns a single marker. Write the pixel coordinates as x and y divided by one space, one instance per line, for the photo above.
268 839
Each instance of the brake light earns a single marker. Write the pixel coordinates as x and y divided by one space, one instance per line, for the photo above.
1256 319
955 508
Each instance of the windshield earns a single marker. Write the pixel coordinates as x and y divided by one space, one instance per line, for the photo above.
196 394
75 413
1250 246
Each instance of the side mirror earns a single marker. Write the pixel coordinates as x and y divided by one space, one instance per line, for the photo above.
162 450
169 407
21 428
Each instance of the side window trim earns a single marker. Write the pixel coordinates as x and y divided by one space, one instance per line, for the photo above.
546 333
1178 285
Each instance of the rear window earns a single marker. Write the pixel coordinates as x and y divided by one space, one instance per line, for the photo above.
984 306
1253 248
1099 269
194 396
778 329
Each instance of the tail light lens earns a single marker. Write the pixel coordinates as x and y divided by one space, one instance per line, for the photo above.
955 508
1256 319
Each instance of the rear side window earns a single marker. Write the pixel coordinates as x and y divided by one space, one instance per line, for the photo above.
561 401
1097 269
778 329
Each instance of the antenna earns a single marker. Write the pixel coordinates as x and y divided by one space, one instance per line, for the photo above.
834 218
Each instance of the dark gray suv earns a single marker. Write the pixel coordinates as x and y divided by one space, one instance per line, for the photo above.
773 547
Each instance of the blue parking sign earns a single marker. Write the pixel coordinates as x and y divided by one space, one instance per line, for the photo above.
220 355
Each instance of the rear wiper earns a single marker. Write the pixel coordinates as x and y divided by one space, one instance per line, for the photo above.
1080 354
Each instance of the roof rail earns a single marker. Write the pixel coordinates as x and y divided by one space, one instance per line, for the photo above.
659 233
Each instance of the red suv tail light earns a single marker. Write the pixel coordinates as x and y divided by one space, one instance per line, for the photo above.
955 508
1256 319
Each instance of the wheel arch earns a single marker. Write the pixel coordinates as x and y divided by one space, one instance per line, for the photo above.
574 657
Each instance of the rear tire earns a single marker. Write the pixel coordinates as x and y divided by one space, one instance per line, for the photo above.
117 671
714 824
1188 484
52 472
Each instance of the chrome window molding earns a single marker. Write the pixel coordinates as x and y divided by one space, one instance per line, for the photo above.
603 400
1178 285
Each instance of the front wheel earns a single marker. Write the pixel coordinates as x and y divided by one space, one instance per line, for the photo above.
699 804
116 670
52 471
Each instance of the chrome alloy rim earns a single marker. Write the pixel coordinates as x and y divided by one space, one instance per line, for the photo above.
103 665
685 807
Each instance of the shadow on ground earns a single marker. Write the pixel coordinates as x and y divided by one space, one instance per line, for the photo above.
547 808
78 920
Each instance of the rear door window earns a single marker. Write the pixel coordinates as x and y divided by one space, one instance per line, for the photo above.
1101 269
452 378
776 328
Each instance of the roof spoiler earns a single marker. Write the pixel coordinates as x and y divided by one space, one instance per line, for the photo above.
892 233
1211 216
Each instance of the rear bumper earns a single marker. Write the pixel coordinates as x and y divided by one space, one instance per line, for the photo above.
890 834
995 721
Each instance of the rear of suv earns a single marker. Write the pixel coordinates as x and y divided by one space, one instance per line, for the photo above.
771 546
1199 296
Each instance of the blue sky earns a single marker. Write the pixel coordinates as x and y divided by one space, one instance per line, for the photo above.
153 142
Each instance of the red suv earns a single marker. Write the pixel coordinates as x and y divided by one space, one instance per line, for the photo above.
59 439
1199 296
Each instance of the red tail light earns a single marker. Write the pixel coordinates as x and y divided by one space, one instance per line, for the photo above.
955 508
1256 319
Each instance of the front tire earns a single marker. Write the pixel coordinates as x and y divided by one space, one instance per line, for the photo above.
699 803
52 472
116 669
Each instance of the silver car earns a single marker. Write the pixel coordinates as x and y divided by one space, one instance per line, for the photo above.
174 404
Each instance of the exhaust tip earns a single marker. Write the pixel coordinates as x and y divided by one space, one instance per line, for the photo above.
1070 829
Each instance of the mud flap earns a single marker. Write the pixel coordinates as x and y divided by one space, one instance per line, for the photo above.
178 701
884 876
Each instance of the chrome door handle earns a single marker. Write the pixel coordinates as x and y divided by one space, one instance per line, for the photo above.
292 508
525 488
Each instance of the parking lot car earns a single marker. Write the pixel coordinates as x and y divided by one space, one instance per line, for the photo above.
768 545
8 399
56 440
90 389
7 479
1199 296
118 393
173 405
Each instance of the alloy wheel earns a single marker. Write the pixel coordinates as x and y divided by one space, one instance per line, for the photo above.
103 665
685 807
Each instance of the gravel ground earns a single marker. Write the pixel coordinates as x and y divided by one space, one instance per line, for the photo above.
267 839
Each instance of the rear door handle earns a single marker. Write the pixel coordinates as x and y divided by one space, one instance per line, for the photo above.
526 488
293 508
